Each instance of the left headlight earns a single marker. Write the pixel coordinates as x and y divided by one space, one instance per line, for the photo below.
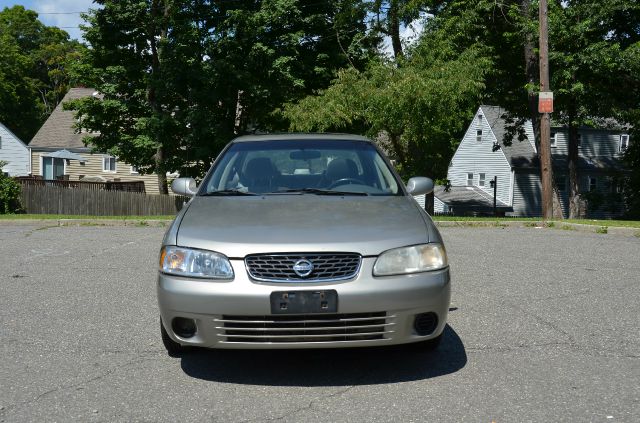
195 263
414 259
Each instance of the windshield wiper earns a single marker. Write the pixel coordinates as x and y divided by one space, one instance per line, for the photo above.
224 192
317 191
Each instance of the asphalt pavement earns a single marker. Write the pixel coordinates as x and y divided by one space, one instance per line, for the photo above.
544 327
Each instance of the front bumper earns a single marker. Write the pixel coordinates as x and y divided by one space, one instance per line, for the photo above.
384 307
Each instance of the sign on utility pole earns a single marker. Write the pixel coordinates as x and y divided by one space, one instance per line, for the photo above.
545 106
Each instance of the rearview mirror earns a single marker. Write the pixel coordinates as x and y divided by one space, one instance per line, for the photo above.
419 185
184 186
304 155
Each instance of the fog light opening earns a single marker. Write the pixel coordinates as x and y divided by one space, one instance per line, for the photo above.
425 323
183 327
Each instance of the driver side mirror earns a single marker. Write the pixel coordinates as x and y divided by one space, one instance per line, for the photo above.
184 186
419 185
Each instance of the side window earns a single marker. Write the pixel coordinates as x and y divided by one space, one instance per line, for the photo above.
552 139
469 179
481 180
624 143
479 135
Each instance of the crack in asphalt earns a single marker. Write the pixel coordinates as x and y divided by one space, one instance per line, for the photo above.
303 408
16 406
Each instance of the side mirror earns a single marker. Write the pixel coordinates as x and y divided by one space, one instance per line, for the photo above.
184 186
419 185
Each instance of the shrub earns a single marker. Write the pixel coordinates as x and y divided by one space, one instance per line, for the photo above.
9 194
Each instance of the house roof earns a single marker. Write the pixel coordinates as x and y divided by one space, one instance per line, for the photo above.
521 154
58 131
468 198
518 150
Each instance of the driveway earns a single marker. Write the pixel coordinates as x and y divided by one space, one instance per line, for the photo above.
544 327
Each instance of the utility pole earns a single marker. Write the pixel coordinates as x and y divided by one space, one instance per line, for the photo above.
545 106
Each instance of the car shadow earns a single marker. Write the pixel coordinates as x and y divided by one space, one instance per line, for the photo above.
330 367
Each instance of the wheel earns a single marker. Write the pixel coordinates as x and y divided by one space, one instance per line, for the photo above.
345 181
173 348
428 345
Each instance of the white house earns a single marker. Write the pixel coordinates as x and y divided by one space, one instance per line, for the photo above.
14 152
482 156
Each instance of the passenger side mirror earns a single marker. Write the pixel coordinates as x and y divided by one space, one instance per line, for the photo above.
184 186
419 185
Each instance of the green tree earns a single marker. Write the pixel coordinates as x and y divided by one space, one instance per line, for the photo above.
35 69
179 78
420 104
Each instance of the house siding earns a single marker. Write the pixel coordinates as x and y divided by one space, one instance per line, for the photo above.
439 206
526 194
14 152
93 167
594 143
478 157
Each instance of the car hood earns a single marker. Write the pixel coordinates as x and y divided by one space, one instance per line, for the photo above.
238 226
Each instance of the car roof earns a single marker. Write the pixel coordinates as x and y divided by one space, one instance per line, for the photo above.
289 136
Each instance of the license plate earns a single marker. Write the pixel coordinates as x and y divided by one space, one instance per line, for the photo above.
304 302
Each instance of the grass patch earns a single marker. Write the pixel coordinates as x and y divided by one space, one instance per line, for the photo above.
567 228
66 216
528 221
602 230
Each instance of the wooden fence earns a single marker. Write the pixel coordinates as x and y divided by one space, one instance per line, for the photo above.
135 186
56 200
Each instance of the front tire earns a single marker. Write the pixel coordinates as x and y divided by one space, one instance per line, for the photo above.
173 348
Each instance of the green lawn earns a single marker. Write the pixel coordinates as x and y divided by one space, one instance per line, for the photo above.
593 222
608 223
63 216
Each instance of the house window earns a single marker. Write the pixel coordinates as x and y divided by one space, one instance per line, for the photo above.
593 183
469 179
579 139
134 170
108 164
479 135
52 168
624 142
561 183
552 139
479 120
481 180
0 143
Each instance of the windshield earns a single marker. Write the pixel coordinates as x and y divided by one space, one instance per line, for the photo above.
301 166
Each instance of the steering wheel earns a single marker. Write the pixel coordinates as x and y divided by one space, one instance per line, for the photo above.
345 181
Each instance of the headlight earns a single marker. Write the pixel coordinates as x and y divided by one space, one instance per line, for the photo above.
414 259
195 263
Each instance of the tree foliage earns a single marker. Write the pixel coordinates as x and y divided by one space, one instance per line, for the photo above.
35 72
9 193
180 78
420 103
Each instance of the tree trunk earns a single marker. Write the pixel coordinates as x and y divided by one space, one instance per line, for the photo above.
398 150
394 29
574 193
156 108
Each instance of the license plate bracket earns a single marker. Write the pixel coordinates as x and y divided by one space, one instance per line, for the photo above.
304 302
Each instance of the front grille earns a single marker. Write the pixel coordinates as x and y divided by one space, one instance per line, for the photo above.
305 328
326 267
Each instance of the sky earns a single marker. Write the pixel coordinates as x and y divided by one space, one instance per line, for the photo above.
61 13
65 14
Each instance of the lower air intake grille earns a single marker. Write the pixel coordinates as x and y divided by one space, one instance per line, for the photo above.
306 328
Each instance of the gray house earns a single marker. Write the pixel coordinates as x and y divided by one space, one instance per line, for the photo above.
14 152
481 157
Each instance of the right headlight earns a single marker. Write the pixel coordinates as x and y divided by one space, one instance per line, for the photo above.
195 263
414 259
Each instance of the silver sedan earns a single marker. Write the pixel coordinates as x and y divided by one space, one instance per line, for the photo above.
302 241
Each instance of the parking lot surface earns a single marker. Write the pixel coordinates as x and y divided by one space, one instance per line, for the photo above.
544 327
